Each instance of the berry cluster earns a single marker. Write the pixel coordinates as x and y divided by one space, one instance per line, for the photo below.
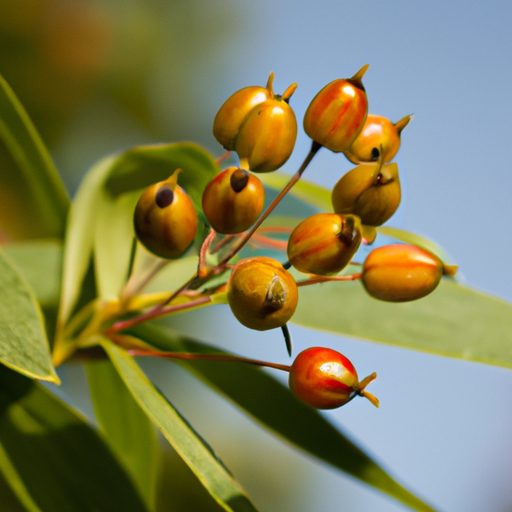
261 128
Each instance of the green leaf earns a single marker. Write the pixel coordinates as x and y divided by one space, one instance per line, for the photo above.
452 321
23 343
250 388
52 458
127 428
192 449
80 235
15 483
33 199
113 241
40 262
142 166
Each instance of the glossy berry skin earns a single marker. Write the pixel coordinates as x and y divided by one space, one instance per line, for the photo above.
261 293
378 133
233 201
267 136
165 219
401 273
372 191
326 379
324 243
337 113
234 110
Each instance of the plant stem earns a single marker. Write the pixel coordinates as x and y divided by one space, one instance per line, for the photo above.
325 279
136 283
238 247
223 157
155 313
160 310
210 357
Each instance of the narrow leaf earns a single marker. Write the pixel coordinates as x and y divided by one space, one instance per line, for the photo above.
40 262
274 406
52 458
33 199
113 241
127 428
15 482
192 449
23 343
452 321
80 236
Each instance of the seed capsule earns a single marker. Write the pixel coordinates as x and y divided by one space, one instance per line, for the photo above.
165 219
401 273
232 113
233 200
378 134
371 191
259 125
324 243
267 136
326 379
261 293
337 113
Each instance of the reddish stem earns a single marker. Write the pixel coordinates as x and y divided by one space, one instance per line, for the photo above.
155 313
209 357
313 151
324 279
275 229
265 241
223 157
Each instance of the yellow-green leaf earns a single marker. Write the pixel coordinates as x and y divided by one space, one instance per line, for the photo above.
23 343
127 428
453 320
193 450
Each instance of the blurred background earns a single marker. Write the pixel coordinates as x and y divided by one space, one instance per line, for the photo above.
97 77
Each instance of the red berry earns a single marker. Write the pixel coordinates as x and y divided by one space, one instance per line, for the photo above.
326 379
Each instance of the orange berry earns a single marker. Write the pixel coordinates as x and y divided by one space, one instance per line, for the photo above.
324 243
378 134
261 293
372 191
337 113
401 273
234 110
267 136
165 219
259 125
233 200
